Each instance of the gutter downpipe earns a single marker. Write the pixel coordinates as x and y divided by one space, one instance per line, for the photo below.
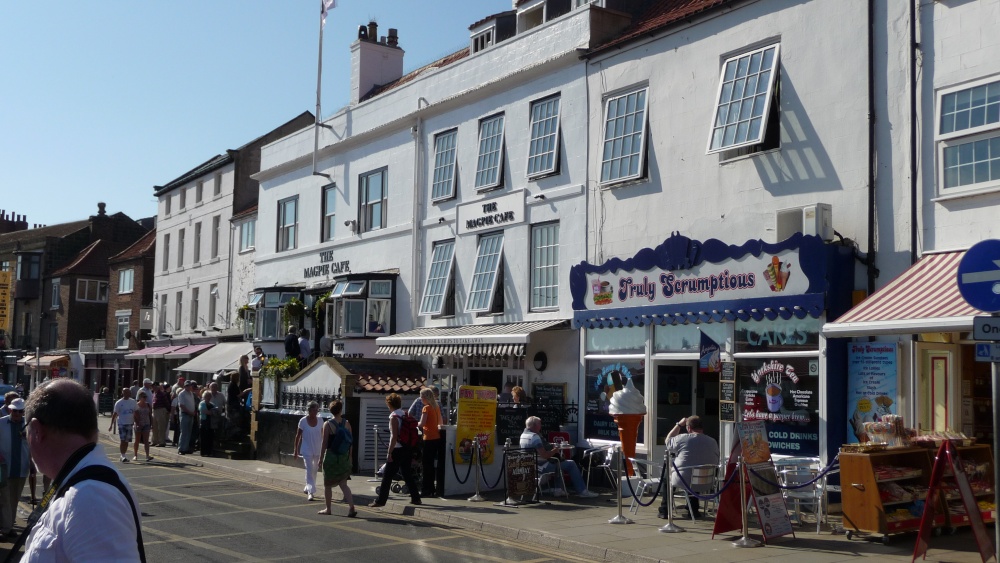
417 132
913 131
872 152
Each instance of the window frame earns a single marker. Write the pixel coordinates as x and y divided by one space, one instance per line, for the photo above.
370 302
366 206
534 140
328 219
121 341
212 306
55 290
768 97
440 153
354 288
122 289
197 243
643 141
180 248
216 235
195 298
85 283
483 255
534 268
287 238
427 302
166 252
342 310
178 311
251 231
482 158
199 192
372 292
959 137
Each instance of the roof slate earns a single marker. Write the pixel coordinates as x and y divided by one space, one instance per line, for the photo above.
91 261
661 14
142 247
56 231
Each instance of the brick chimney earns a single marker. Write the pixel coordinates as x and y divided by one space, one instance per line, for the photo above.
12 223
374 61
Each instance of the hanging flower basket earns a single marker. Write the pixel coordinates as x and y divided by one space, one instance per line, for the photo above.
293 310
320 305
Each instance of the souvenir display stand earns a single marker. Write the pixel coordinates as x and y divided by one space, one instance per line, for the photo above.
884 491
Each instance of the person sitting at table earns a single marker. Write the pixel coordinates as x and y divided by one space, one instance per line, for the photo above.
548 457
689 449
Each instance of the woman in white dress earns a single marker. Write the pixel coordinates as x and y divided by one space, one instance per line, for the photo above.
309 445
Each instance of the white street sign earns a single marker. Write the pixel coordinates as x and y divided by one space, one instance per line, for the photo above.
986 328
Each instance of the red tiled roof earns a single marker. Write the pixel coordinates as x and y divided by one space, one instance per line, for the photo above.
91 261
442 62
142 247
382 384
661 14
252 210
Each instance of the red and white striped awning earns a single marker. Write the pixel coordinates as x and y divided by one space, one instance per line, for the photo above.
924 298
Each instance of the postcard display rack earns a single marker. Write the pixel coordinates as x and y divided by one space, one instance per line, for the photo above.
884 491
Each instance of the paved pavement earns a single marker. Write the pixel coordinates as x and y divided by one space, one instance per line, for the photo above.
580 528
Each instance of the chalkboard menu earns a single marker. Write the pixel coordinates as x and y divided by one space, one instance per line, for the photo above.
727 391
728 371
549 393
522 468
727 411
510 422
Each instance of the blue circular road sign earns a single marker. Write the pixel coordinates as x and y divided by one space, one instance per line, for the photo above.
979 276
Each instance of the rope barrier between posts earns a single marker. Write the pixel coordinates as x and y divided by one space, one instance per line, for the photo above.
820 475
659 486
482 471
455 471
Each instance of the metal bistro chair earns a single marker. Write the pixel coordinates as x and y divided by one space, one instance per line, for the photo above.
811 496
603 460
648 473
704 480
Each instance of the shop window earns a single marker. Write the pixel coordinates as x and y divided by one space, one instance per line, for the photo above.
439 280
373 200
329 212
126 280
489 165
248 235
779 335
358 308
622 340
968 137
624 148
743 106
288 219
122 328
94 291
603 378
488 271
545 266
687 338
443 186
543 148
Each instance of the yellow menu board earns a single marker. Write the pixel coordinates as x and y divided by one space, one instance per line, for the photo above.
5 291
477 420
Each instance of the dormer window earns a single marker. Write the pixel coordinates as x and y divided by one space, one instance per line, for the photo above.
482 40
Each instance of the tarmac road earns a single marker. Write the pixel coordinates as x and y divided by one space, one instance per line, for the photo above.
196 514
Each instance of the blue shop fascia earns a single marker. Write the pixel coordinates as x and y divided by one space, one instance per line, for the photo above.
724 331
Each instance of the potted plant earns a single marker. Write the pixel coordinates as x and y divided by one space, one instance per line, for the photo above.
292 311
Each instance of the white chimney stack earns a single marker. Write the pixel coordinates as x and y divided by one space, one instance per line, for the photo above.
374 63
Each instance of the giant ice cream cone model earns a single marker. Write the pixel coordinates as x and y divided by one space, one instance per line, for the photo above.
628 408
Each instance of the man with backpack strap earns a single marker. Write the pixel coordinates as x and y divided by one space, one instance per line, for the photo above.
403 438
89 513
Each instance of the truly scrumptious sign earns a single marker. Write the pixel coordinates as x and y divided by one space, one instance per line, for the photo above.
682 270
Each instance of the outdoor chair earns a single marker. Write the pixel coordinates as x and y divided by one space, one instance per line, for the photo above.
603 460
648 473
704 480
809 497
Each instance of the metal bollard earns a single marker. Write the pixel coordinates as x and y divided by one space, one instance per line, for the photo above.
746 540
669 527
620 519
477 458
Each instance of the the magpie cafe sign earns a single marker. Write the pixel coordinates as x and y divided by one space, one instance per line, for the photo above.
484 215
327 266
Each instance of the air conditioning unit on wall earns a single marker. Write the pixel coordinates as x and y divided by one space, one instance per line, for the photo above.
815 219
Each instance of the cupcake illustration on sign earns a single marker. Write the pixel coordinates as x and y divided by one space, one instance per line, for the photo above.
602 292
777 274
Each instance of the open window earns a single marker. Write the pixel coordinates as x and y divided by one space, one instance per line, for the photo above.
486 276
489 165
746 105
543 148
624 150
439 281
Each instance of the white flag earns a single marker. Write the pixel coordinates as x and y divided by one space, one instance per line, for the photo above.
327 6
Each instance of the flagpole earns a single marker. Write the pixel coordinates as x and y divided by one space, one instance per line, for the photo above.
319 82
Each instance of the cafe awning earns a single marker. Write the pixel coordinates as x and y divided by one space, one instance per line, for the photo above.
187 352
151 352
222 356
44 361
473 340
25 360
924 298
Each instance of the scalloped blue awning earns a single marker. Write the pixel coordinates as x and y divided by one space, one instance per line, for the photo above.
785 307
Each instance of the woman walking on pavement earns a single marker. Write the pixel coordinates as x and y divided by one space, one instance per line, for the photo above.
430 421
309 445
142 418
400 456
337 461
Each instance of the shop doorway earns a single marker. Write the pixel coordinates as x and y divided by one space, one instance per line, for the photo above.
936 385
487 378
681 390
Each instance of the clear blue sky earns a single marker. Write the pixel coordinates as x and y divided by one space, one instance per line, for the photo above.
100 100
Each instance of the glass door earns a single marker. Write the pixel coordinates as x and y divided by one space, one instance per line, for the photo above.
682 391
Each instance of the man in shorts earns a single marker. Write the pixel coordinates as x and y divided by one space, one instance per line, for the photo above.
123 413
